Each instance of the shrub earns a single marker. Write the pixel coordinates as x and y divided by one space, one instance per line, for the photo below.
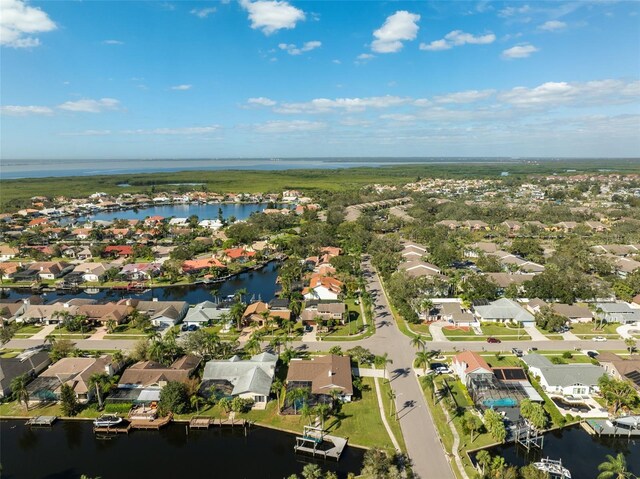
121 408
567 355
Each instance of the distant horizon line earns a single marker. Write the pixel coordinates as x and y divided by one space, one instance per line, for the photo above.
293 158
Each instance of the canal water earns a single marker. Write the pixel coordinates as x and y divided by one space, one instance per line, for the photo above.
70 448
580 452
241 211
260 285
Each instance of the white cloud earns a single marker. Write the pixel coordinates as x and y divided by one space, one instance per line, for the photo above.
271 16
458 38
112 42
337 62
181 87
281 126
553 26
365 56
19 110
325 105
189 130
88 133
90 106
261 101
203 12
523 50
469 96
18 21
550 94
292 49
399 27
513 11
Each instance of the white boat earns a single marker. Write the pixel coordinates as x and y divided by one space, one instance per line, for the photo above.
107 420
553 468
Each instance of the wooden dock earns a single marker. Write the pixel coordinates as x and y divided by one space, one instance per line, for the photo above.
42 421
151 424
198 422
202 422
112 429
330 446
603 427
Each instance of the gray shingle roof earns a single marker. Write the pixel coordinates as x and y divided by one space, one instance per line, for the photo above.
254 375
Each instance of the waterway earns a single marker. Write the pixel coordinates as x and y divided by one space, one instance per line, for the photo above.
260 285
70 449
580 452
240 211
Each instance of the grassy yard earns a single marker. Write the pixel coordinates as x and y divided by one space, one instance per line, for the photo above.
587 331
29 329
556 336
352 327
393 424
12 408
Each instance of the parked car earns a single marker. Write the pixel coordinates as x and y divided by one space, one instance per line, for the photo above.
530 350
517 352
184 327
443 370
193 327
600 338
592 354
493 340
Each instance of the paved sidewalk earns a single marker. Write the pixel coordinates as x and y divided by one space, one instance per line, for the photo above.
384 416
368 373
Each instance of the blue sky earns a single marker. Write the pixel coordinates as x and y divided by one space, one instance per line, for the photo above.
263 78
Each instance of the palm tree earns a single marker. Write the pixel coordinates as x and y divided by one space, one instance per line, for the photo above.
382 361
99 381
392 397
483 458
422 360
236 312
276 343
196 401
430 384
614 468
225 404
417 342
298 394
111 325
276 387
18 387
322 410
306 412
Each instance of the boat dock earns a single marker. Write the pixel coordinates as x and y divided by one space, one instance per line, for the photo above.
113 429
42 421
201 422
151 423
621 427
315 442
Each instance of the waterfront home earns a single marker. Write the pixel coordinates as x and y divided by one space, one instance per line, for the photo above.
323 287
240 255
469 364
90 272
575 313
255 313
81 233
140 271
75 372
7 270
620 368
150 374
321 375
618 312
30 362
9 310
211 224
103 313
204 313
195 266
235 377
564 379
50 269
503 310
161 313
44 313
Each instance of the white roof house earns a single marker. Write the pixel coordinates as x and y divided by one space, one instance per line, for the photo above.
618 312
203 313
564 379
504 310
235 377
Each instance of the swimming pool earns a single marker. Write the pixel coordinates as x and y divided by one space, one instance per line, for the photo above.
502 402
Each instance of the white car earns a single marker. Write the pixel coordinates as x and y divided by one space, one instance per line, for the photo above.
600 338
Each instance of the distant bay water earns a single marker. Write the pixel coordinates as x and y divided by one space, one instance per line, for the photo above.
14 169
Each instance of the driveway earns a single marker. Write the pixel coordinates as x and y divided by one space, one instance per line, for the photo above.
535 334
44 332
435 329
625 330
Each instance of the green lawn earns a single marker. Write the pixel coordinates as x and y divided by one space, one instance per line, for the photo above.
393 424
12 408
586 330
352 327
29 329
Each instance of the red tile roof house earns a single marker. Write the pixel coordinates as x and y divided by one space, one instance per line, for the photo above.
238 254
152 220
123 251
469 364
50 269
194 266
323 287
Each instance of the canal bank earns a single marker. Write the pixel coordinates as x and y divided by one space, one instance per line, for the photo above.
169 452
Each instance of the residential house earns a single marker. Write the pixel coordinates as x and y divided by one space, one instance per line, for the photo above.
122 251
503 310
7 270
323 287
76 372
240 255
421 268
450 224
30 362
161 313
50 269
321 375
103 313
620 368
211 224
596 226
475 225
449 311
44 313
7 252
413 252
512 226
140 271
203 314
618 312
234 377
469 364
565 226
474 249
90 272
255 313
504 280
564 379
195 266
575 313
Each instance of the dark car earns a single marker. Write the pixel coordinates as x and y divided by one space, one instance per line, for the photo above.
493 340
517 352
592 354
184 327
192 327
